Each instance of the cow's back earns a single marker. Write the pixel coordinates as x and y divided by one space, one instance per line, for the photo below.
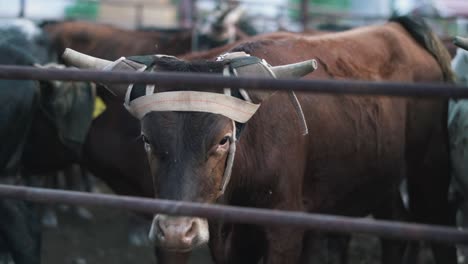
354 138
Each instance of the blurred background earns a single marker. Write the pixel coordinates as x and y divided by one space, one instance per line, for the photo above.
449 16
111 236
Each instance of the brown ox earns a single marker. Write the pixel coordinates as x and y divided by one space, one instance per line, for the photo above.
350 163
111 43
113 151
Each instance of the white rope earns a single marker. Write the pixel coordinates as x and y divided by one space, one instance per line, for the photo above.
193 101
230 161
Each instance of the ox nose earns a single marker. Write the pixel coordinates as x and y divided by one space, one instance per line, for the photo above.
177 233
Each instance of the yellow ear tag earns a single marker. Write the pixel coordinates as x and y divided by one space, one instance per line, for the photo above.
99 107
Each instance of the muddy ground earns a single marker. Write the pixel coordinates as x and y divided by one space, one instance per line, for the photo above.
104 239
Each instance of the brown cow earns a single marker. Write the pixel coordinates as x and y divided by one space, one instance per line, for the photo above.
113 150
111 43
350 163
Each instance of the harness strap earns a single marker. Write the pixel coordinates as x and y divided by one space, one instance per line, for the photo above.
229 162
239 60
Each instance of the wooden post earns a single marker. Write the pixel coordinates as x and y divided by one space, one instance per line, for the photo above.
186 13
139 15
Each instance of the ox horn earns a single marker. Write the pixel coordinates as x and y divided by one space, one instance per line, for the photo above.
461 42
83 61
295 70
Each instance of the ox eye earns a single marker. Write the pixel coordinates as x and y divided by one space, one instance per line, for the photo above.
224 140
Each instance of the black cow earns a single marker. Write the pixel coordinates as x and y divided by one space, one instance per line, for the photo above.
42 127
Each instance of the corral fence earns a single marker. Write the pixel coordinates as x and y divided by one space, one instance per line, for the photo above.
327 223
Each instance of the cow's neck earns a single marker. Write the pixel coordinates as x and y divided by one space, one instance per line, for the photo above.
258 155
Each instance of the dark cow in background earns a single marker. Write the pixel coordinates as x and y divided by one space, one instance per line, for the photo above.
351 162
42 127
111 43
18 222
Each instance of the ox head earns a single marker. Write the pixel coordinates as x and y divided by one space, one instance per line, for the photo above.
189 151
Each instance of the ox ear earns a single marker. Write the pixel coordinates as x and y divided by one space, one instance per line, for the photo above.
461 42
84 61
288 71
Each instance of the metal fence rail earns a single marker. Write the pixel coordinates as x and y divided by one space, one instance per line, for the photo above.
190 81
328 223
336 224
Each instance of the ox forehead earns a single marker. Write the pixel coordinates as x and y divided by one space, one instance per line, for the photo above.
141 100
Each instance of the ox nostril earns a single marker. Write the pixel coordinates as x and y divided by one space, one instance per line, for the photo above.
160 230
192 230
178 233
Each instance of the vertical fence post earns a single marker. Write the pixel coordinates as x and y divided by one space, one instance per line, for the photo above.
186 13
305 14
139 15
22 8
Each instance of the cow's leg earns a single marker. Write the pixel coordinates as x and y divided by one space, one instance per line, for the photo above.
428 184
20 229
322 248
234 243
392 209
88 185
73 181
428 169
284 245
337 248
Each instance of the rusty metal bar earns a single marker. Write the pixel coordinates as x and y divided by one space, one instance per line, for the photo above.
191 81
328 223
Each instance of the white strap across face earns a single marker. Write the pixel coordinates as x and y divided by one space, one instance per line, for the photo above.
192 101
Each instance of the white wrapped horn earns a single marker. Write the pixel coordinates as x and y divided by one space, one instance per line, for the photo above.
83 61
295 70
461 42
233 16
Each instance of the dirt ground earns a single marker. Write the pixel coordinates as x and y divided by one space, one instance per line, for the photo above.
104 239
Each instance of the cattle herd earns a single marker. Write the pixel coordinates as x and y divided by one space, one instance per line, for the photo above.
333 154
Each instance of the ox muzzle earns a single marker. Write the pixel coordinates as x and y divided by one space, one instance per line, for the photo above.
176 233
